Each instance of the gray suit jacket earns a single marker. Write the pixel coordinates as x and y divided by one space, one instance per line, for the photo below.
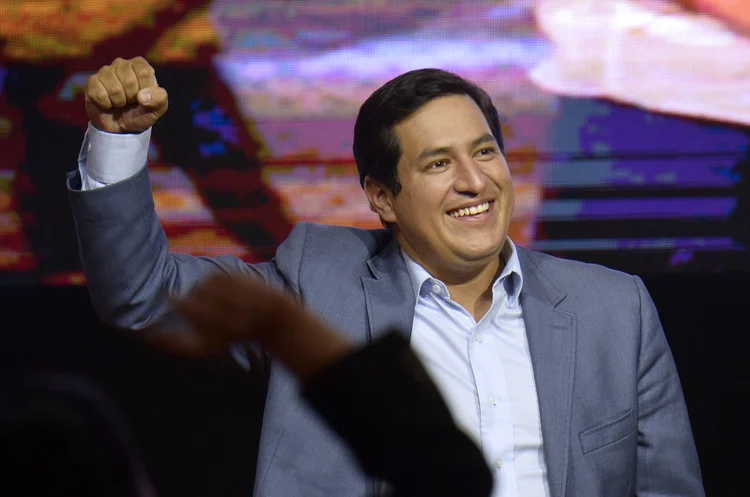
614 420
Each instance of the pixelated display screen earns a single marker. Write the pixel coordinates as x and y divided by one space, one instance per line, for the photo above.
627 122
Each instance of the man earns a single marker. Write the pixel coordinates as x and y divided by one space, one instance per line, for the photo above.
559 370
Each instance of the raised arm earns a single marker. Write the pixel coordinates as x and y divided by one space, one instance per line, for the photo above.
123 247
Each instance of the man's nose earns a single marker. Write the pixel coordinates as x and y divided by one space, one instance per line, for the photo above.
470 178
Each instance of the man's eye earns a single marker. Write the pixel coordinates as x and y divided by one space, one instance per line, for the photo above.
487 151
437 164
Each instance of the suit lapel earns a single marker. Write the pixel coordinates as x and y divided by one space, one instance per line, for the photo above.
388 294
552 342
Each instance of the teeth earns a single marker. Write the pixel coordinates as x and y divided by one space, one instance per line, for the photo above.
471 211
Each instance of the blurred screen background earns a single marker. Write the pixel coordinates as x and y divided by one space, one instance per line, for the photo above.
627 122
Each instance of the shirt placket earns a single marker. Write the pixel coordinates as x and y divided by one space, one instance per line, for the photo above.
495 416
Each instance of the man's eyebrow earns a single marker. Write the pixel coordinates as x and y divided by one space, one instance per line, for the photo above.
485 138
434 152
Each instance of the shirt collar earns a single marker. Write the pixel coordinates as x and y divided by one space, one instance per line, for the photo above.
511 276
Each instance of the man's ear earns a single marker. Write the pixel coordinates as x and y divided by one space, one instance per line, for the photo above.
381 200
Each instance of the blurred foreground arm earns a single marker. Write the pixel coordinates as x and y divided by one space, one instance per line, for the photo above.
378 398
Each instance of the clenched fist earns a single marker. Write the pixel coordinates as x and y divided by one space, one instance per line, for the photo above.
124 97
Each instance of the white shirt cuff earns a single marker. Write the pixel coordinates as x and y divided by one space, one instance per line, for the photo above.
107 158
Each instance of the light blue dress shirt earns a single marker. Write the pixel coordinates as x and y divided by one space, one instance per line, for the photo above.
483 369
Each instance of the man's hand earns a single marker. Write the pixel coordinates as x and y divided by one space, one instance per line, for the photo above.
124 97
226 309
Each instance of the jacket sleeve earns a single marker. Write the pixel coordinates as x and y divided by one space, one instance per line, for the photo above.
125 254
667 462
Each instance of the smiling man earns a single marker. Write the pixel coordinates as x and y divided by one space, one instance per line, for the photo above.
449 199
558 370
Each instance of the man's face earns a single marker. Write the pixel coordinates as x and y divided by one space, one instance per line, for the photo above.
456 201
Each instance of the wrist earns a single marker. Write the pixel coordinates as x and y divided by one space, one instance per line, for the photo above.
303 343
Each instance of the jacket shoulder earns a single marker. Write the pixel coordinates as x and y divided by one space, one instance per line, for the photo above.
325 246
581 280
570 266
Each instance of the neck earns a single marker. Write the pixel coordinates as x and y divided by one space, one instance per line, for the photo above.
470 286
475 294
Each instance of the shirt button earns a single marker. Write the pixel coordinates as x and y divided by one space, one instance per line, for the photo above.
436 288
480 338
493 401
498 462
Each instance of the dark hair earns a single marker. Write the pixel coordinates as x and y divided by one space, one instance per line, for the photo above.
376 148
61 436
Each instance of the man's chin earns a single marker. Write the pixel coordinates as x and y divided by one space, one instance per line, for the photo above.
476 255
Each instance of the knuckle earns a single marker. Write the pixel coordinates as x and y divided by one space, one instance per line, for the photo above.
129 81
99 95
144 72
